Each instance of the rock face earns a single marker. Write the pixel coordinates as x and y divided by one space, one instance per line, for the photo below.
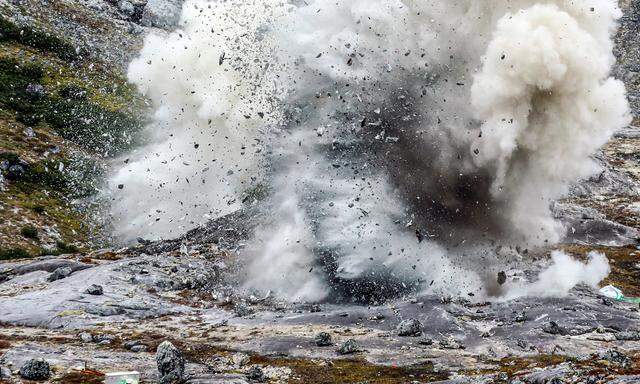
410 327
35 369
170 363
162 13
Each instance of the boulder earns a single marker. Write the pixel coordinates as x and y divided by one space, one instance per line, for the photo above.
170 363
163 14
60 273
35 369
410 327
95 290
323 339
256 375
126 8
349 347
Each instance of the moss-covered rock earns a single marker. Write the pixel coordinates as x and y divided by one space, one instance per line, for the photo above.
42 40
60 116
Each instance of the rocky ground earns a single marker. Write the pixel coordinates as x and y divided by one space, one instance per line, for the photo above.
87 311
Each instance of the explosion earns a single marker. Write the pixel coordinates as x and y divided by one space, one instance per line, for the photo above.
400 141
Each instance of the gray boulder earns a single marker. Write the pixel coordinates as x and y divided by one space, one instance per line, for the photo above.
323 339
126 8
163 14
35 91
170 363
410 327
35 369
349 347
256 375
60 273
95 290
631 335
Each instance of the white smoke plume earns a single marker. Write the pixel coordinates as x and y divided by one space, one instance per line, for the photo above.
204 134
401 139
562 275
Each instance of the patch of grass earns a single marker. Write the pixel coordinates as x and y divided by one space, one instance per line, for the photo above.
353 371
66 248
62 248
38 39
13 253
24 200
96 129
29 232
82 377
337 371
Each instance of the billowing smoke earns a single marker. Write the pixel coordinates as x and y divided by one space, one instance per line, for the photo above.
402 141
204 143
562 275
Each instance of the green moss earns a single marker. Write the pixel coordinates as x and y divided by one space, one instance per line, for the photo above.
99 130
10 157
38 39
70 223
66 248
61 249
13 253
29 232
102 131
73 91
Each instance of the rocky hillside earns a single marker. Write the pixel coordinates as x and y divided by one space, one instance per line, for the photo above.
66 110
